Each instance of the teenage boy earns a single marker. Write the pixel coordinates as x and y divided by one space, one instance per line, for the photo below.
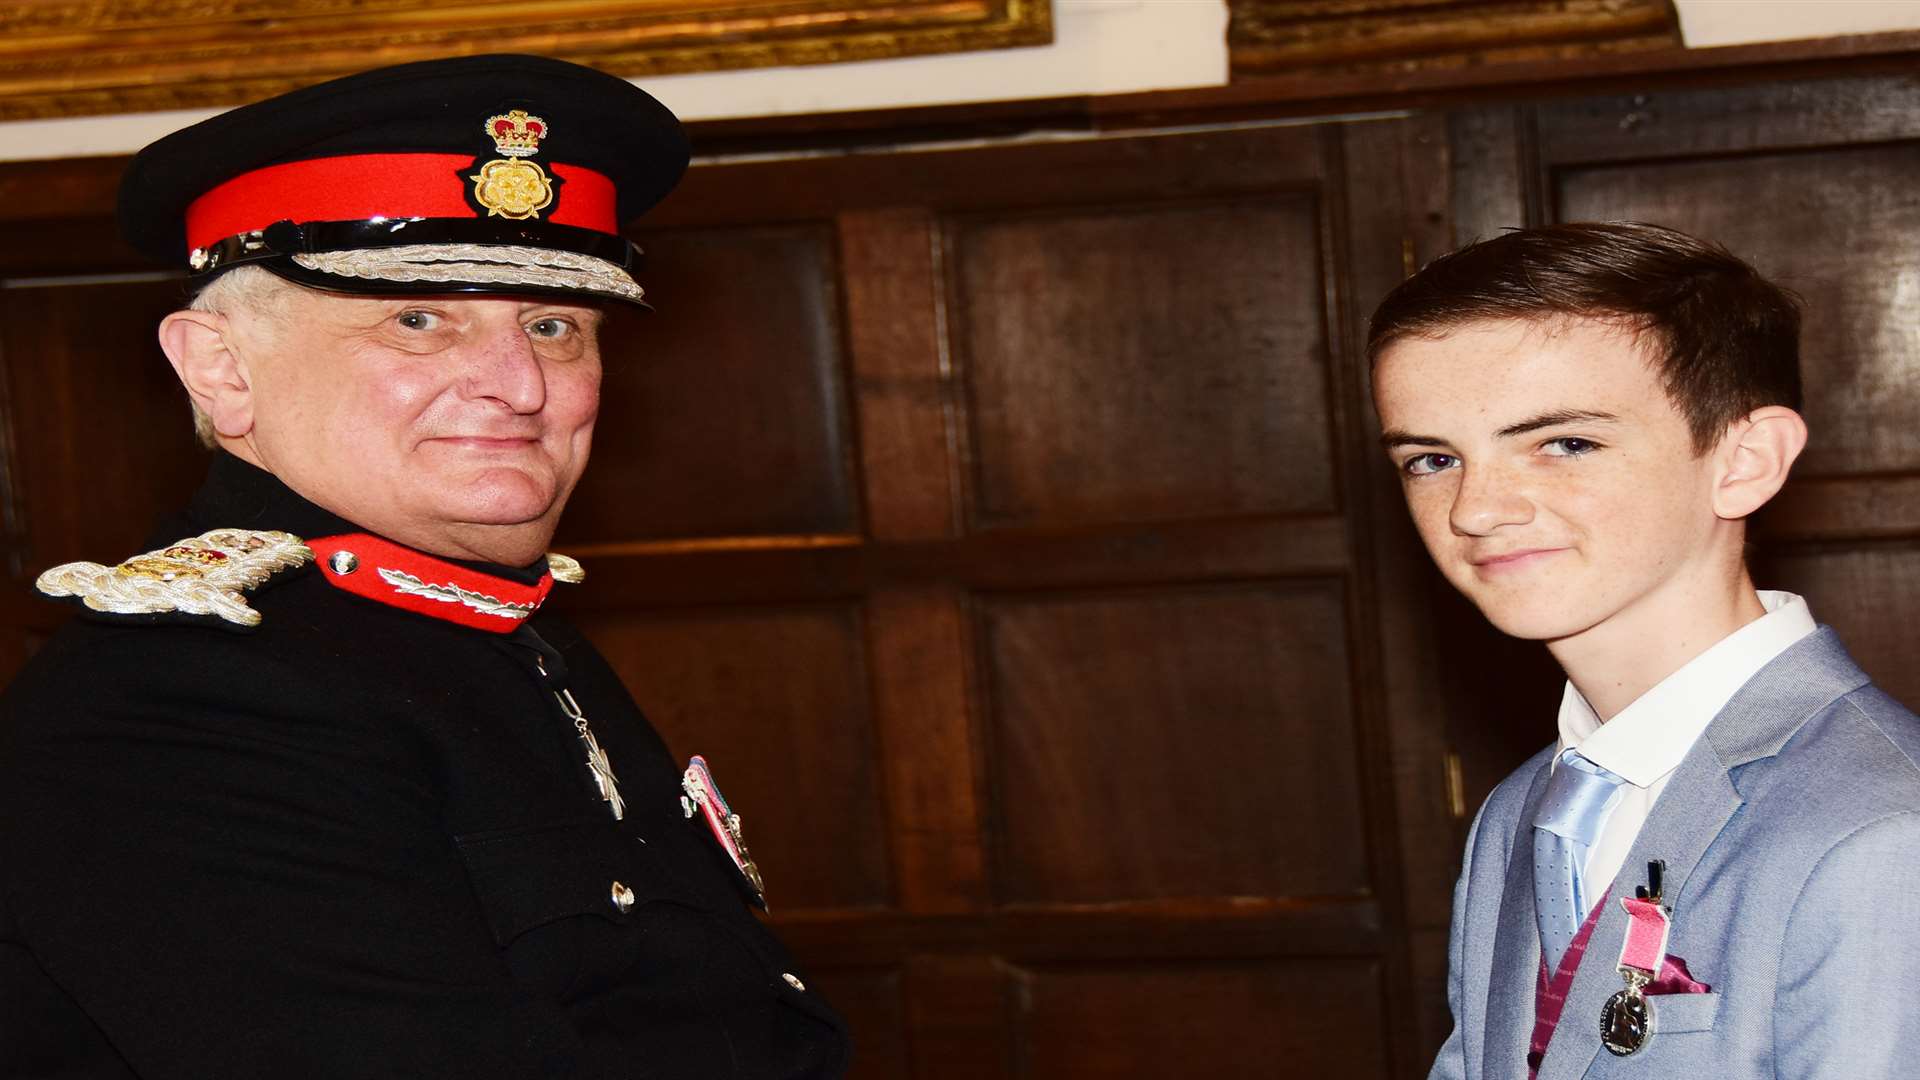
1728 829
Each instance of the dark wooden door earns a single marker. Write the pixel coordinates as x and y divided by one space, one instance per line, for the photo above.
1000 519
1003 524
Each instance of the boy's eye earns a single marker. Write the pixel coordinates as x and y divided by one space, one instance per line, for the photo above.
1570 446
1428 464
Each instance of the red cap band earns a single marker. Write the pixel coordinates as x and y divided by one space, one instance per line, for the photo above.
361 186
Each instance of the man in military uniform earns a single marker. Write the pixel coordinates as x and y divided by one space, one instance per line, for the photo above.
316 787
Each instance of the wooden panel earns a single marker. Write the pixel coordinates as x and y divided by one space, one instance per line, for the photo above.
723 413
901 376
1843 508
1414 832
919 648
1837 226
1490 177
1146 363
993 177
777 701
959 1007
1231 1020
1432 1021
1868 594
102 436
1649 123
1178 551
874 1006
1173 742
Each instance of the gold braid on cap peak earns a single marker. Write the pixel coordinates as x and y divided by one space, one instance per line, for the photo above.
480 264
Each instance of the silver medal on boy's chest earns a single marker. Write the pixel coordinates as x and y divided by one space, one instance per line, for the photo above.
1626 1020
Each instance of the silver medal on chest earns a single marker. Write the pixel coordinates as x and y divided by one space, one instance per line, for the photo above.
1626 1020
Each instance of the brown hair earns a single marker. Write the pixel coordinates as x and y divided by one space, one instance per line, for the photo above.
1725 339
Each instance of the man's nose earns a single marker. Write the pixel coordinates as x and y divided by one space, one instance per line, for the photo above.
1486 499
504 367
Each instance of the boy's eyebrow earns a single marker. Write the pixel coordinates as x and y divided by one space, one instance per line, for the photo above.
1555 419
1394 438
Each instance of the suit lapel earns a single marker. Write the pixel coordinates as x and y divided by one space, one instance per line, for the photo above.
1516 951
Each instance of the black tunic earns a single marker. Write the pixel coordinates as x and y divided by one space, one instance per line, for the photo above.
361 842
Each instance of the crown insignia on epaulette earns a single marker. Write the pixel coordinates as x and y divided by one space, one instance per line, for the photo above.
207 574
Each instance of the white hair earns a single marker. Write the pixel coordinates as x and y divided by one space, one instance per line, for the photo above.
251 289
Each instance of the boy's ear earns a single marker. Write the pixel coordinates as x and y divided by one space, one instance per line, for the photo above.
197 344
1755 455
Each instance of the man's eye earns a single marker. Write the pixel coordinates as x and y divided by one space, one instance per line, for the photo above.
549 328
1569 446
417 320
1428 464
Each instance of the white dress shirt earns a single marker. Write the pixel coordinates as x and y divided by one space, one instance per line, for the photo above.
1647 740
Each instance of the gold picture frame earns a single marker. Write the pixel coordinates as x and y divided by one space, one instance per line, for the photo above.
80 57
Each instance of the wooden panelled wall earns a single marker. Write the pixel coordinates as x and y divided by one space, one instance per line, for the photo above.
1005 524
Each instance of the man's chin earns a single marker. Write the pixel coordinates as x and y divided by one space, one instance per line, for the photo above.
527 517
501 497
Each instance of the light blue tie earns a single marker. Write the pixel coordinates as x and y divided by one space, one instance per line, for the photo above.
1579 797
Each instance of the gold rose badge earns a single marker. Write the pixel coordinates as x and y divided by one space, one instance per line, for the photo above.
510 186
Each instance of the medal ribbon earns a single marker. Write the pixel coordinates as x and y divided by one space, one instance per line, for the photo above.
1645 948
706 795
721 820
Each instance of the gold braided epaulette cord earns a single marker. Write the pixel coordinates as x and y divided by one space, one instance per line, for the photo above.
201 575
565 569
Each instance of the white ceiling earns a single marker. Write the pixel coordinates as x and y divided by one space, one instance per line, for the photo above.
1706 23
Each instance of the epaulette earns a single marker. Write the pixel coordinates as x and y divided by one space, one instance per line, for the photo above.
207 575
565 568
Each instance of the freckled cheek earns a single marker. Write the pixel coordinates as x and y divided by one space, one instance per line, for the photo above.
1431 505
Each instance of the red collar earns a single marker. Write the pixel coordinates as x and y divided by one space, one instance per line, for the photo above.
381 570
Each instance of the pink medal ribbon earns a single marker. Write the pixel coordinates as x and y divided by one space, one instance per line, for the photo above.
1626 1021
703 797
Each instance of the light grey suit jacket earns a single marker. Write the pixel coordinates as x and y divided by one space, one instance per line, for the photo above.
1791 835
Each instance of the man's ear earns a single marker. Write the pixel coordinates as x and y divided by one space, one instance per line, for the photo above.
198 345
1755 455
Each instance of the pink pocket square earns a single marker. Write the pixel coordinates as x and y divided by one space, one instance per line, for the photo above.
1676 979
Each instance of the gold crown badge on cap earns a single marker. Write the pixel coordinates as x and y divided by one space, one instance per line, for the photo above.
509 186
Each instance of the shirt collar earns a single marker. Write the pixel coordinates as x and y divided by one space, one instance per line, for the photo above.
1650 737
